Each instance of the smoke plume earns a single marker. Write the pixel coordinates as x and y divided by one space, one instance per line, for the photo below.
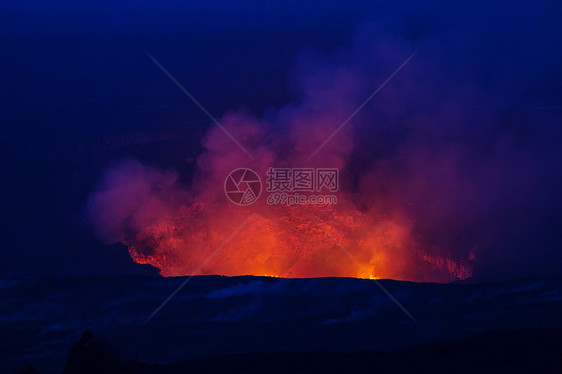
444 175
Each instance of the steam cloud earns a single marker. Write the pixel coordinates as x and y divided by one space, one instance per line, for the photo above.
446 174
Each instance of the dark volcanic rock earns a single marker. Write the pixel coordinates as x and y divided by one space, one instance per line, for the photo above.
214 315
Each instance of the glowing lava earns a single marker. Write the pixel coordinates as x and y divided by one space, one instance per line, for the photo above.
298 241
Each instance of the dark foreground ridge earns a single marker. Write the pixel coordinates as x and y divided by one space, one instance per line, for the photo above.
499 351
231 317
530 350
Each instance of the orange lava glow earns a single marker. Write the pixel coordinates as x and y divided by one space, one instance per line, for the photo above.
291 242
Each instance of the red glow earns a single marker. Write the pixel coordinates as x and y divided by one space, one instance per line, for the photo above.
286 242
402 206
